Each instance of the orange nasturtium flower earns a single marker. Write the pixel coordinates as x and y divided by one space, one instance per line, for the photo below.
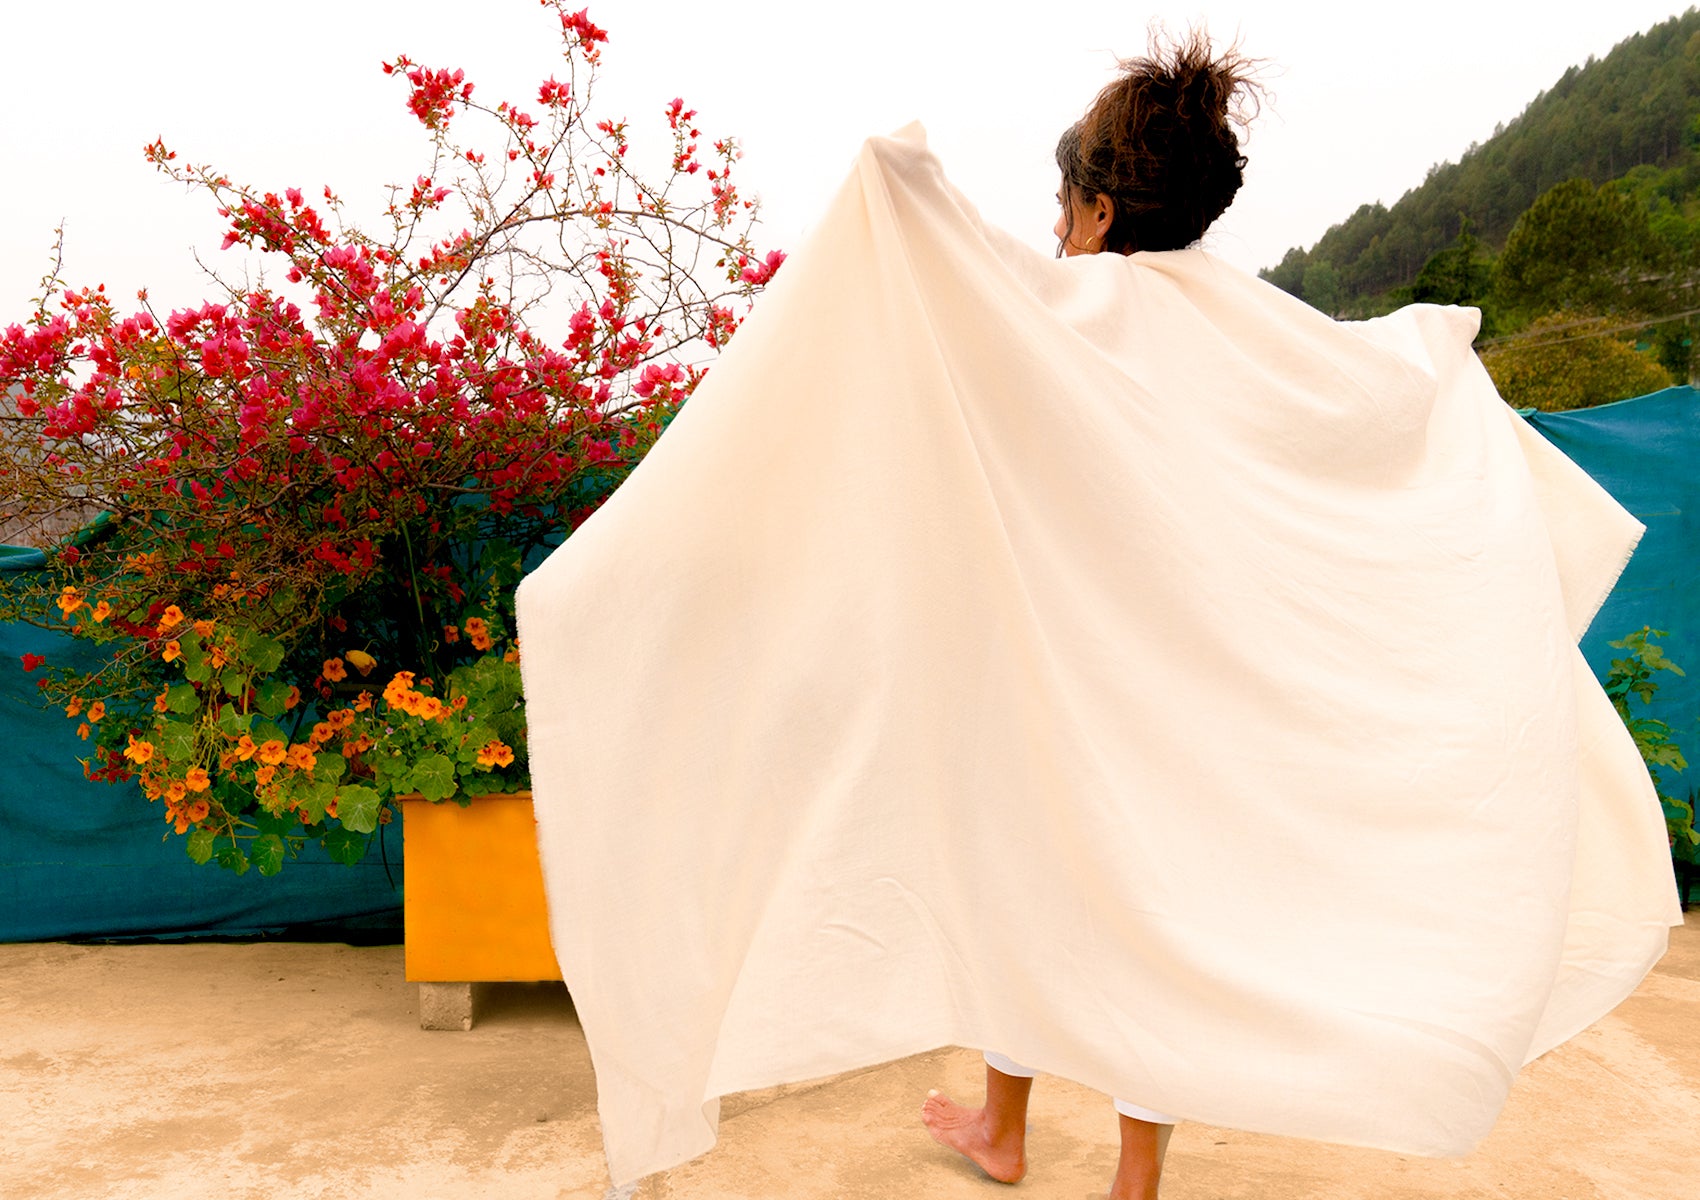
161 701
361 661
171 617
294 697
302 757
101 611
399 688
273 752
245 748
363 702
204 628
138 752
83 731
173 650
334 670
324 731
175 791
430 708
197 779
513 654
97 710
451 635
70 600
494 754
198 810
264 774
75 707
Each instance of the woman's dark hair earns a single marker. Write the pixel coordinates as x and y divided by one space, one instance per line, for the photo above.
1160 143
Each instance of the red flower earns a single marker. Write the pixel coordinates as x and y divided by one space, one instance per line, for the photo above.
32 661
588 34
763 271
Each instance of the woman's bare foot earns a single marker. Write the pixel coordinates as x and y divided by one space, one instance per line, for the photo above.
966 1131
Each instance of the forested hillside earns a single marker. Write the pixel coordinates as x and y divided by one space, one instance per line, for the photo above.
1638 107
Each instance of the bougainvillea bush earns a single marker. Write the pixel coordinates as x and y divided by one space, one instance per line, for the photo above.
318 491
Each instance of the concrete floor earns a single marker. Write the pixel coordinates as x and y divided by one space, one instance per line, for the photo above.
287 1070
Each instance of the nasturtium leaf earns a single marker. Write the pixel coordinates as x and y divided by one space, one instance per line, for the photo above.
345 846
177 741
315 798
477 737
232 859
232 682
433 777
197 672
329 767
266 654
233 723
266 731
181 698
269 698
268 853
357 808
200 845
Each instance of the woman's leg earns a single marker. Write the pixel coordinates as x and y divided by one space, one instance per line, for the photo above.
993 1137
1145 1140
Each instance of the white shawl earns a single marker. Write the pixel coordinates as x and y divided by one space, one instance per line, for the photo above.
1110 661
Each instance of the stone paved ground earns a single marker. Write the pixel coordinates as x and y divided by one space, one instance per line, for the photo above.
281 1070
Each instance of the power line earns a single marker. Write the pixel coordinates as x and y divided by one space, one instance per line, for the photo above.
1544 333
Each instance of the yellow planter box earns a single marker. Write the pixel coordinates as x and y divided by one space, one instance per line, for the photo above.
473 902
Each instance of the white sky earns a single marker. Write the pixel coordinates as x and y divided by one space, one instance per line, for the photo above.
1366 98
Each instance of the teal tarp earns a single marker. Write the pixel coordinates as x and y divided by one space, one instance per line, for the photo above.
1646 453
81 859
87 860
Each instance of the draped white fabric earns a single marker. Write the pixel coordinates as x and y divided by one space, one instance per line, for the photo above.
1109 661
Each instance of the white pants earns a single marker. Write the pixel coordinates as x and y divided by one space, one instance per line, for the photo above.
1009 1066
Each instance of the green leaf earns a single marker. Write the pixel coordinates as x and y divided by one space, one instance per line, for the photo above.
476 738
232 859
266 654
357 808
265 731
200 845
189 642
233 723
269 698
233 682
182 698
316 798
433 777
197 672
177 741
345 846
268 854
329 767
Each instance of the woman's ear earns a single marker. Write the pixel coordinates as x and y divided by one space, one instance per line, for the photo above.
1103 216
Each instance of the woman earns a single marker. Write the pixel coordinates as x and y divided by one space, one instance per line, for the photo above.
1150 166
1112 662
